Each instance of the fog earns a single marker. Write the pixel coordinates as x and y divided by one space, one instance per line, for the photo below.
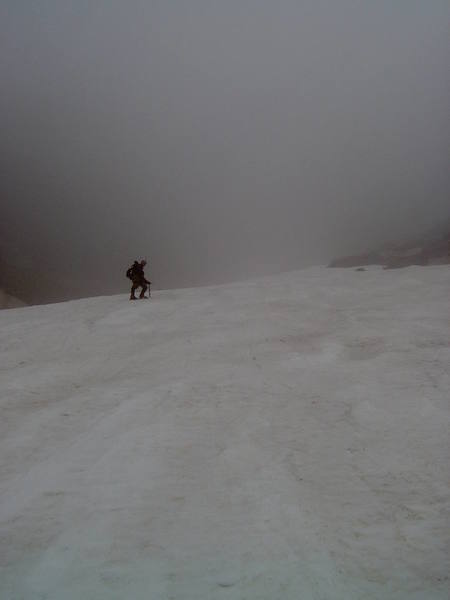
219 140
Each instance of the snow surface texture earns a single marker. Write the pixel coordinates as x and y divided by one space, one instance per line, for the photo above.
284 438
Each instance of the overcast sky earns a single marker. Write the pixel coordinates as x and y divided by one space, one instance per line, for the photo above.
218 139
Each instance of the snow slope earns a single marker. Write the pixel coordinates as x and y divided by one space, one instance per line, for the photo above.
284 438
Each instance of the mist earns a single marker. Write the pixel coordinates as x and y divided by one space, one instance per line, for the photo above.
219 140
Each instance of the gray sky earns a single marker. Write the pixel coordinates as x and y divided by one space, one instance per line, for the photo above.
218 139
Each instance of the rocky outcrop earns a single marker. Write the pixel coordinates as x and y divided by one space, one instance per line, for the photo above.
360 260
7 301
434 251
32 286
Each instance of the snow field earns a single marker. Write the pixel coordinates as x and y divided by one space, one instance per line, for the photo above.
285 437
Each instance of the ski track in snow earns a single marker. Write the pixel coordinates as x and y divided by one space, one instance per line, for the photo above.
282 438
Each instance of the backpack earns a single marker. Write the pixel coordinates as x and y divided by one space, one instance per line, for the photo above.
129 273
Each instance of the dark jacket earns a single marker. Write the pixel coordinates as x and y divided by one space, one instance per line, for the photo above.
137 273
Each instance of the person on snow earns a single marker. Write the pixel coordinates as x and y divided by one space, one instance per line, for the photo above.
136 274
